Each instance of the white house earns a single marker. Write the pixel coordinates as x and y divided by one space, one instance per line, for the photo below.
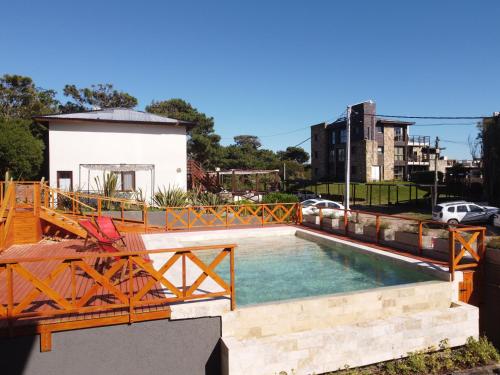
145 150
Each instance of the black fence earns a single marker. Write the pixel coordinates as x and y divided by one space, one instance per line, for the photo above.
390 193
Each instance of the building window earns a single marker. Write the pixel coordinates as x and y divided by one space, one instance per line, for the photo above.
343 136
353 150
399 153
315 137
354 169
368 135
316 170
127 181
399 171
380 150
334 137
340 154
380 129
315 154
398 134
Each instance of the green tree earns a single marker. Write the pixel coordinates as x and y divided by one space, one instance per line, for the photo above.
203 143
297 154
21 98
248 141
100 95
20 152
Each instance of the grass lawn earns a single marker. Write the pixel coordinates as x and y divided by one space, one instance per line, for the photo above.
381 193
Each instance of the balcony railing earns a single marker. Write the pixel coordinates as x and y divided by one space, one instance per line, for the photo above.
419 140
418 159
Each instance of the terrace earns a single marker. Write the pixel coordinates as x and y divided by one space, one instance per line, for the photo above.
192 262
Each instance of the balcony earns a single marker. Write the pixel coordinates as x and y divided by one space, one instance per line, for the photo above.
419 140
418 159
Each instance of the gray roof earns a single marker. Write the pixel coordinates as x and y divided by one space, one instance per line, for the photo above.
115 115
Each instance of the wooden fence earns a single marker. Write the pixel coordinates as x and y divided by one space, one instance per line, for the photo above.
460 239
92 285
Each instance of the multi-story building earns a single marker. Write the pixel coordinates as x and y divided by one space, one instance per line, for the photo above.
381 149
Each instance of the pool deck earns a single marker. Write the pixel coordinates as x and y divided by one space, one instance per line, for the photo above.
84 284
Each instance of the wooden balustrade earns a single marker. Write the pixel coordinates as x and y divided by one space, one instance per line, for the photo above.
456 234
100 283
193 217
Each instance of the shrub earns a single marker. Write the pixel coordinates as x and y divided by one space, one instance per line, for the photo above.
494 243
280 198
170 197
205 198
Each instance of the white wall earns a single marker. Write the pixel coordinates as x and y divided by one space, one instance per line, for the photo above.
75 143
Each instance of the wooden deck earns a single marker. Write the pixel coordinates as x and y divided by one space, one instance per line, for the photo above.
22 289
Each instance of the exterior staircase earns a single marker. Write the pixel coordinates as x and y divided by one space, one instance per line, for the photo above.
63 221
198 178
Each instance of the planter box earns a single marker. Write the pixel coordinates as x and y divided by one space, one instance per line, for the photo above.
333 224
386 234
410 240
312 220
355 228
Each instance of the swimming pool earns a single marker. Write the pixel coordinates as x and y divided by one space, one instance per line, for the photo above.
276 268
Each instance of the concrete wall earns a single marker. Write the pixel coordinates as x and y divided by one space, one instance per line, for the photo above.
147 348
164 146
388 153
319 151
490 305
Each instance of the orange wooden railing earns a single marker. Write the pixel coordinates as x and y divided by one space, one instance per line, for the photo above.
7 209
456 234
477 236
226 216
94 282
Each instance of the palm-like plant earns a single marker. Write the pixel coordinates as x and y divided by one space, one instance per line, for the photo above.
170 197
107 186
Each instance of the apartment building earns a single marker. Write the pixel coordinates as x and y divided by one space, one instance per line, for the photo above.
381 149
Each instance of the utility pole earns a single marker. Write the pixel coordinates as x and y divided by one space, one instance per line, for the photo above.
348 159
435 195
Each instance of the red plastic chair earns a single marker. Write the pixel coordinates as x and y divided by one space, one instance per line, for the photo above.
107 227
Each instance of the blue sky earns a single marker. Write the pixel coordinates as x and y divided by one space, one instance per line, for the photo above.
270 67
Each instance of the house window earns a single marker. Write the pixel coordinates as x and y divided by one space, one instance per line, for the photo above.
399 171
334 138
340 154
127 181
398 133
399 153
343 136
380 129
380 150
65 180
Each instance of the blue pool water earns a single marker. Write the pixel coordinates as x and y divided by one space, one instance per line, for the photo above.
286 267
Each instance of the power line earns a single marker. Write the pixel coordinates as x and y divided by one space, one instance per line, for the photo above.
304 141
447 124
431 117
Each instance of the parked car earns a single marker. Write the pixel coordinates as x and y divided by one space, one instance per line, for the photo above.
307 194
496 220
463 212
312 207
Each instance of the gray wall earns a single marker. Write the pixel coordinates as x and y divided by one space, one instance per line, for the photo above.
490 298
183 347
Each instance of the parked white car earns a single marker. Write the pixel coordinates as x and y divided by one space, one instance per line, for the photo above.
463 212
329 208
496 220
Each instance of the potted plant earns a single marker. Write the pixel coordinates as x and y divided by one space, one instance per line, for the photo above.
386 233
408 237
